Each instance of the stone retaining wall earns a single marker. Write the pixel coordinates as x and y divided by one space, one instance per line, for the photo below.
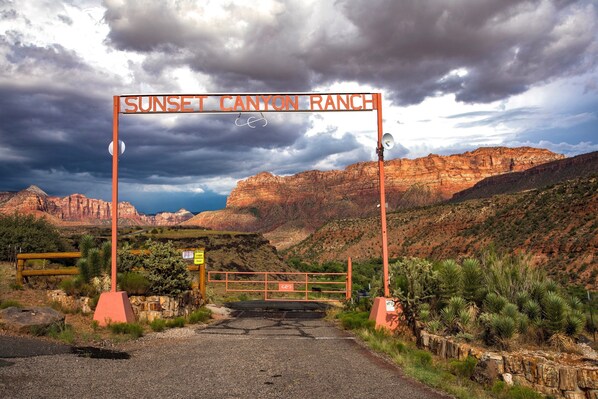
149 308
146 308
560 375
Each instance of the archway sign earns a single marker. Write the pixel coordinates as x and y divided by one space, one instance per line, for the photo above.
114 306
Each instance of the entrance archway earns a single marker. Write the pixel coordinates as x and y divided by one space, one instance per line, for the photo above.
114 306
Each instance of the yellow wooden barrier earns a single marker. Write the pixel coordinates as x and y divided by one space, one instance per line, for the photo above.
66 271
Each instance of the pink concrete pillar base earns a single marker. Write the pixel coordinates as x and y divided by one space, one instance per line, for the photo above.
385 315
114 307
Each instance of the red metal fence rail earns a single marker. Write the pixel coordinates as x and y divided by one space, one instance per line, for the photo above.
287 286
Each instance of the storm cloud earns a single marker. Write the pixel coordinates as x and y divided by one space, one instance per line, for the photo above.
481 51
62 61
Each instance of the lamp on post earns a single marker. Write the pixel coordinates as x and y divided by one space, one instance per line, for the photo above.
384 310
114 306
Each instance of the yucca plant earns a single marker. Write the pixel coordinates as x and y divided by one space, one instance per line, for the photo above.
533 310
574 322
450 279
494 303
554 312
434 326
472 281
521 299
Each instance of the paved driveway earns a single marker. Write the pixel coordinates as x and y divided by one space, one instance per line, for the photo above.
236 358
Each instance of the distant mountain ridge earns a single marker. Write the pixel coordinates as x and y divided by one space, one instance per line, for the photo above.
557 225
536 177
77 209
289 208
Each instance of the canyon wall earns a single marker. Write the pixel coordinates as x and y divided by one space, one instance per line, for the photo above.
303 202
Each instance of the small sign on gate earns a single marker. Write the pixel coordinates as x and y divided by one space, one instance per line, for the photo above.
187 254
286 287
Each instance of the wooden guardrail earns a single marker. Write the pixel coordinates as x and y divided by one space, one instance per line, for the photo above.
66 271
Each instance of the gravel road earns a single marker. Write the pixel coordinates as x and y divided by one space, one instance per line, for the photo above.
236 358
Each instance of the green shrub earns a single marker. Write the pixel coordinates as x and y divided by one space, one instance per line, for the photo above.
135 330
166 271
26 233
463 368
503 391
355 320
421 357
158 325
134 283
127 262
201 315
63 333
9 303
176 322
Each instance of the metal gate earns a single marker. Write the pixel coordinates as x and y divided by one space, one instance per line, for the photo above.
287 286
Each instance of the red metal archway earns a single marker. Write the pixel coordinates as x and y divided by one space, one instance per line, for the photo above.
114 306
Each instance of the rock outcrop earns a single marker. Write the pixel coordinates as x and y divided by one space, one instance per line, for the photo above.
77 209
539 176
303 202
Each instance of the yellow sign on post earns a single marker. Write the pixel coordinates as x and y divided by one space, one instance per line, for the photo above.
198 257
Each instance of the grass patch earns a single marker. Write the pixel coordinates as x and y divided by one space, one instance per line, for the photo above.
135 330
174 323
451 376
64 333
503 391
201 315
158 325
9 303
355 320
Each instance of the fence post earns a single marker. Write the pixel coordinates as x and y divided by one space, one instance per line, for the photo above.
266 286
20 267
202 282
349 285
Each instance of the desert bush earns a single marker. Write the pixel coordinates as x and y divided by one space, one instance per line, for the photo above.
134 283
9 303
135 330
355 320
127 262
434 326
414 282
201 315
166 271
176 322
158 325
463 368
26 233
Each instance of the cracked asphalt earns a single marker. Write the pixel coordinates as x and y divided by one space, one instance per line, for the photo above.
255 357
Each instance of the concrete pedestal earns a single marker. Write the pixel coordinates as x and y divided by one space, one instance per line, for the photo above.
385 313
114 307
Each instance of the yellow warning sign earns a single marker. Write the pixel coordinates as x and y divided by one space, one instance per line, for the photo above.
198 257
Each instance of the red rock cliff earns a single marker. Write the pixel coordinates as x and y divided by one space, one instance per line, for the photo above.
78 209
308 199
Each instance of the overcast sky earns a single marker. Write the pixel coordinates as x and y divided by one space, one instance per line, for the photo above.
454 74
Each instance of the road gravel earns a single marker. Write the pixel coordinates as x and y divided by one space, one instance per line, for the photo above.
235 358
